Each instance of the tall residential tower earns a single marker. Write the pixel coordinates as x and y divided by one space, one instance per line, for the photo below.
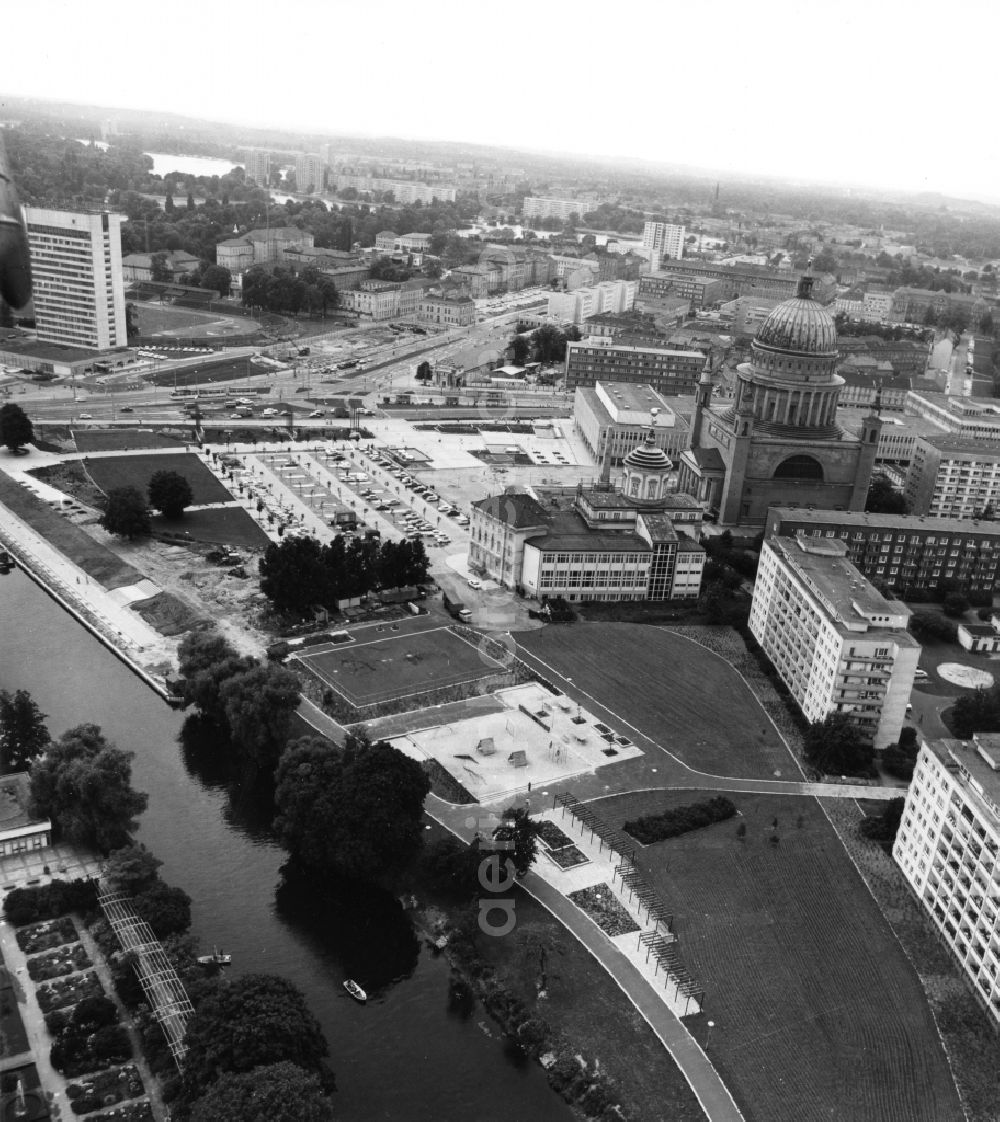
76 266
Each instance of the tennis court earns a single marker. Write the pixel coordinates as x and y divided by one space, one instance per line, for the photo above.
396 665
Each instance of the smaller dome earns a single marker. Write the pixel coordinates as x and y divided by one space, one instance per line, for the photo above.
647 457
799 326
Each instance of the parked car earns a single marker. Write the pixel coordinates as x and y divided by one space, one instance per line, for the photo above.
317 413
476 584
86 417
126 409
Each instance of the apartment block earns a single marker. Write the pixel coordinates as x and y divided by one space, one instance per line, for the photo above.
906 551
664 239
258 166
76 265
948 847
310 172
546 206
595 299
953 477
838 644
667 371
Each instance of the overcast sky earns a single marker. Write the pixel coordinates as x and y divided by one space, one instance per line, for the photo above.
892 93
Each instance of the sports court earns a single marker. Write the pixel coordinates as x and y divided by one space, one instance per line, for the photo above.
399 664
539 738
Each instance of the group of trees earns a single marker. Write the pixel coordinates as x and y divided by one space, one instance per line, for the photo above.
126 512
15 428
883 498
976 711
677 820
834 746
83 783
900 758
282 291
134 871
355 811
249 704
297 573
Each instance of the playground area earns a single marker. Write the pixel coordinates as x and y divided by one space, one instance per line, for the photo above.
537 738
397 665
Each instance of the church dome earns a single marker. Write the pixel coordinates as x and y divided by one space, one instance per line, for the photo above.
799 326
647 457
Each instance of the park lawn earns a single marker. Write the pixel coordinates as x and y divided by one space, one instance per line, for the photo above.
136 471
597 1019
213 370
817 1012
675 692
95 559
118 440
400 664
220 525
154 318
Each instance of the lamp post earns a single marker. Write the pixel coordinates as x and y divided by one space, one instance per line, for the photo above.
708 1038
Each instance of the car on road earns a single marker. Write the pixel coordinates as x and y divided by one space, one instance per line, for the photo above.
317 413
86 417
463 520
921 675
475 584
454 513
126 409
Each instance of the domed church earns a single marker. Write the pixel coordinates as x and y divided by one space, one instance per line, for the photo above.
778 442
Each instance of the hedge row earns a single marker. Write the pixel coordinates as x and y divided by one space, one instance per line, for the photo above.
680 819
49 901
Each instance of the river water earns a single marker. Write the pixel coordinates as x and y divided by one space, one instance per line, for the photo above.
164 164
406 1056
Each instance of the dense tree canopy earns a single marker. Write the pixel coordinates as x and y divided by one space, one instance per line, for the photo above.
84 784
250 1022
125 513
518 831
169 493
281 1092
975 711
15 428
356 810
258 706
835 747
206 662
23 735
299 573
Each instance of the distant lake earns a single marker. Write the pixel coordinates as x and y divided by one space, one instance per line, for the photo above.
164 164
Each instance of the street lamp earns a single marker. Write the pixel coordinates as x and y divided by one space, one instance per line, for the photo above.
711 1025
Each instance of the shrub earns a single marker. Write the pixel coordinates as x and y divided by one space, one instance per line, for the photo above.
680 820
49 901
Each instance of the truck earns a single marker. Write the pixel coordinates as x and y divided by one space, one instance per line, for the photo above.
457 609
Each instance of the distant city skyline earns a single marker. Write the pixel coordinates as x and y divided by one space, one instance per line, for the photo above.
846 96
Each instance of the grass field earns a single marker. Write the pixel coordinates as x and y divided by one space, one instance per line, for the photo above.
136 471
117 440
226 370
94 559
680 695
398 665
227 525
817 1012
157 318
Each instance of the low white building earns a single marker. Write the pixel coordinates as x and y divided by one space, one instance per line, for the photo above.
592 300
617 414
839 645
948 847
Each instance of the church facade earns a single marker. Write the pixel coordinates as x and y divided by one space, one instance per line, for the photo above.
778 442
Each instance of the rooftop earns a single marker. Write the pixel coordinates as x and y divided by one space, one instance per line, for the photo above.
54 352
567 531
902 522
976 761
850 602
516 510
963 445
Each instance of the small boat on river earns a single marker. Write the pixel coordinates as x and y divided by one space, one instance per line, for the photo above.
355 990
216 958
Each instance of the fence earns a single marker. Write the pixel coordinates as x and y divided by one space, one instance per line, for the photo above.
163 988
660 940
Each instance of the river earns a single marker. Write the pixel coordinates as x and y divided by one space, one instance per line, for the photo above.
405 1056
164 164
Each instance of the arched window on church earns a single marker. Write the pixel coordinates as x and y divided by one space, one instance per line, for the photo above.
634 487
799 467
651 489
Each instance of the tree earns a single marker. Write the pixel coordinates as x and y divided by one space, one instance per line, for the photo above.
166 908
928 626
517 830
882 827
23 735
955 605
206 662
835 747
219 278
294 574
15 428
281 1092
520 350
883 498
158 268
356 810
125 513
974 712
900 759
424 372
131 869
84 784
258 705
169 493
248 1023
452 866
550 343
